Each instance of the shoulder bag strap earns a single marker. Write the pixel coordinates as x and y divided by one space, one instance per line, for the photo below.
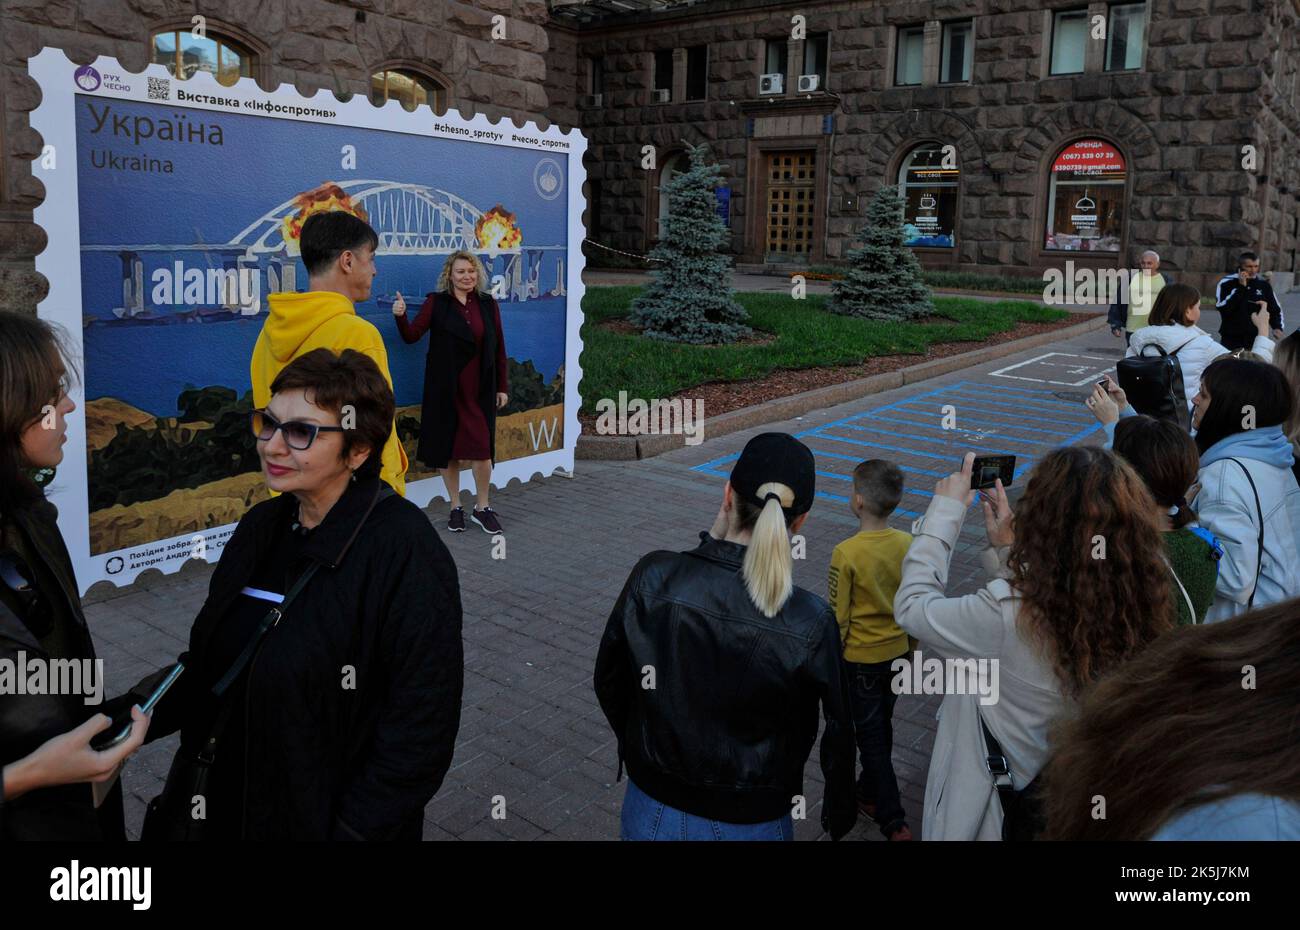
268 622
1259 565
221 687
999 767
1191 611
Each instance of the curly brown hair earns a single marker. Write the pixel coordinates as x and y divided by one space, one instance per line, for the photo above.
1088 562
1205 713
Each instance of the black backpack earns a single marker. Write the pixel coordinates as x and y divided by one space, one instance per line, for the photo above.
1154 384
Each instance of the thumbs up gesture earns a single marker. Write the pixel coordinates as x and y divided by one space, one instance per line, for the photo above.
399 305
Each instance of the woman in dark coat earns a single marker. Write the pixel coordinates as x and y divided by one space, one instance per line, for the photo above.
343 724
465 382
45 749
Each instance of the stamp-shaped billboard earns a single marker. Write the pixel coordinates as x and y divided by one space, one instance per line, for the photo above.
172 210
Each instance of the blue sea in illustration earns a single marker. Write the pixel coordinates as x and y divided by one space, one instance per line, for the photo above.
148 366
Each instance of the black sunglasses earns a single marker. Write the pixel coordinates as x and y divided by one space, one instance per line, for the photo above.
297 434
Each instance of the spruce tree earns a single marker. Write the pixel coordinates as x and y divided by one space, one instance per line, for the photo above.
689 297
883 281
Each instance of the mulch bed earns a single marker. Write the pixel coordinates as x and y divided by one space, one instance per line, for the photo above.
726 396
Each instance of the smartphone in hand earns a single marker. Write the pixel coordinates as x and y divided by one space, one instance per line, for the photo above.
988 469
117 734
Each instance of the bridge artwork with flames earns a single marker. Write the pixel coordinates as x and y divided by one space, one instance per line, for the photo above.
410 219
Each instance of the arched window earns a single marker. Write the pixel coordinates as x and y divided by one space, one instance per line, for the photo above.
184 54
672 166
928 180
1085 198
407 87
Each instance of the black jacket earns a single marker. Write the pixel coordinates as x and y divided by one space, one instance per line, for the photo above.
325 761
451 348
1236 302
732 716
62 812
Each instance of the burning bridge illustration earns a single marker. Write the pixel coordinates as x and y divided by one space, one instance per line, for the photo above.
410 220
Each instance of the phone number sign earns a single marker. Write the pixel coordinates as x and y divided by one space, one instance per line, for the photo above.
1089 156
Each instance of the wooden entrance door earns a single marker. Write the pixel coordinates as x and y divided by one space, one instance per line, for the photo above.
791 204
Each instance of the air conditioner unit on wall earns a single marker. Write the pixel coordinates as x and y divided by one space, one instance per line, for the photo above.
593 100
808 83
661 95
769 84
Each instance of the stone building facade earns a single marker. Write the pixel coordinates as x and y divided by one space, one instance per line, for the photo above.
334 46
1010 168
957 99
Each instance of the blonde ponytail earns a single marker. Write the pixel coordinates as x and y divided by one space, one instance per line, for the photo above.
768 568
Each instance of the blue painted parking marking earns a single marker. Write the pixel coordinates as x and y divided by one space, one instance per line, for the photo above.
1009 420
1034 406
949 432
1054 422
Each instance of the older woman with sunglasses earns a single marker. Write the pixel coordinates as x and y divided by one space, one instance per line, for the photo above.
327 666
45 749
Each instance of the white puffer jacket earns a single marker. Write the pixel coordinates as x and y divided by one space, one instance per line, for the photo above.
1198 350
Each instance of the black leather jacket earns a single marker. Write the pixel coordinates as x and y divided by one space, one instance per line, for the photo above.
60 812
715 706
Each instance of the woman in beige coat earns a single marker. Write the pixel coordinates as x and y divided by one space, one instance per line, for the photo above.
1080 583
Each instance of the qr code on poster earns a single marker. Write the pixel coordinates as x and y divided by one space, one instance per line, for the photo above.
160 89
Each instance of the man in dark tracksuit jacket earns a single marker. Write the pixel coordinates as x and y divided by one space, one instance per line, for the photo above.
1240 295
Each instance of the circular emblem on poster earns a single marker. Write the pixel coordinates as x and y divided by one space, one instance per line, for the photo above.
548 179
114 565
86 77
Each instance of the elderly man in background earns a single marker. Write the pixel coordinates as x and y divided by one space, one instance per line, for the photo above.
1146 283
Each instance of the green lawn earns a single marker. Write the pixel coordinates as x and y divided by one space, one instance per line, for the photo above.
807 337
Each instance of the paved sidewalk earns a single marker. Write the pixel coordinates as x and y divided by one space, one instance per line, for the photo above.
531 730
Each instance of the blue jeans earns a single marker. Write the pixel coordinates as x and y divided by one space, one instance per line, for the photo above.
872 700
644 818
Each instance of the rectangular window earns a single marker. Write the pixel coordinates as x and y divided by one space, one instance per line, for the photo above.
910 55
697 72
664 70
957 52
777 57
1124 34
1069 40
595 76
1085 198
814 57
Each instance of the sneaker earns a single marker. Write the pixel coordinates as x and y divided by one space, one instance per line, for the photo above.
456 522
487 518
867 808
902 833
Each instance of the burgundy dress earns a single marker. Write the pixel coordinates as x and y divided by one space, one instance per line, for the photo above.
462 394
471 440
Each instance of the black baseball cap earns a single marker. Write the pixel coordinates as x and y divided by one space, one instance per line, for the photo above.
781 458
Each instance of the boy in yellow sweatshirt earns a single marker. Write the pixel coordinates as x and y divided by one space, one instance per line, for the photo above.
864 577
339 252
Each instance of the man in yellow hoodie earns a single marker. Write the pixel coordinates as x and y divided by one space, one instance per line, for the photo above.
339 252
